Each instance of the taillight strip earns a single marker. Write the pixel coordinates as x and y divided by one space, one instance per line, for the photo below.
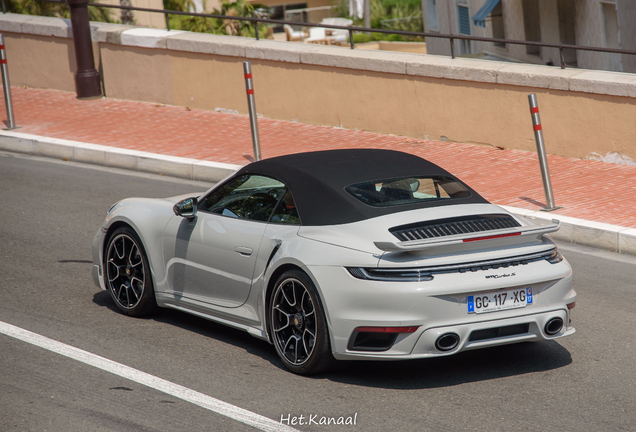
491 237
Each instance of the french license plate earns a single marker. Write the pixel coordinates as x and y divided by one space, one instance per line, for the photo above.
500 300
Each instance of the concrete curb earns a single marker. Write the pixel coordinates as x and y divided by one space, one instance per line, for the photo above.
573 230
587 233
192 169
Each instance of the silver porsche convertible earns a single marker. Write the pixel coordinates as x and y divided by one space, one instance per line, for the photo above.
341 255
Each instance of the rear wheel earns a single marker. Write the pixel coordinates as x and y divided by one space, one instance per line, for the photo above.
127 274
298 325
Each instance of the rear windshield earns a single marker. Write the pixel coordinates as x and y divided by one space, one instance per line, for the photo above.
409 190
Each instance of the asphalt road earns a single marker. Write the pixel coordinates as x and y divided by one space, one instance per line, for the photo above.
49 213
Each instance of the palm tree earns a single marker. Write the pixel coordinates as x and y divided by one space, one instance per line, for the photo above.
33 7
240 27
126 14
228 26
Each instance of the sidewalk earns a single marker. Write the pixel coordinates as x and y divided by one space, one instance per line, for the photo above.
598 198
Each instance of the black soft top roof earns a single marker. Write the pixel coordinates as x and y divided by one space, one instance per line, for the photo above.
317 181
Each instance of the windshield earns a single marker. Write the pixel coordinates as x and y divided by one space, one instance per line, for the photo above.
409 190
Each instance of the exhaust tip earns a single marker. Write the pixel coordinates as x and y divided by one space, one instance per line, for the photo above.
447 342
553 326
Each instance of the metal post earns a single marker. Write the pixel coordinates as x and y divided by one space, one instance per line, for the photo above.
351 38
450 28
87 83
561 56
167 21
256 29
249 87
543 160
366 14
6 86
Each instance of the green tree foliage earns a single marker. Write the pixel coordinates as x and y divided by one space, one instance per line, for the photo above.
228 26
238 8
392 15
178 5
404 15
60 10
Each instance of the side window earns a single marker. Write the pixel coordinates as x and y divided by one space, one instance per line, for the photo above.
249 196
286 212
410 190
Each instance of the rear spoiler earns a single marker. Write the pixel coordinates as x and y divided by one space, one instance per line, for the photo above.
417 245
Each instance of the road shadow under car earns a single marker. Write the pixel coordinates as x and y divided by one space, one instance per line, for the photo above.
466 367
470 366
201 326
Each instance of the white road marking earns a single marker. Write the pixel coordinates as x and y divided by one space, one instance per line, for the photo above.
184 393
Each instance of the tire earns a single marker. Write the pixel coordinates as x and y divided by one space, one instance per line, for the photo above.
298 325
127 274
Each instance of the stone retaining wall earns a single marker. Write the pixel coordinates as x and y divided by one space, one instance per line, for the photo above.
434 97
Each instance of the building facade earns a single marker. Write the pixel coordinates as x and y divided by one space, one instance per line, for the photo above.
595 23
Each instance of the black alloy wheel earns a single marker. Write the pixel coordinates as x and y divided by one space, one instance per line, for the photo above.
127 274
298 325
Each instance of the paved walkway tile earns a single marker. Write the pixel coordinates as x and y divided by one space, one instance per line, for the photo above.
590 190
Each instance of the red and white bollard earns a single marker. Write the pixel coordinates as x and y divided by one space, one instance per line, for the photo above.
543 160
6 86
251 104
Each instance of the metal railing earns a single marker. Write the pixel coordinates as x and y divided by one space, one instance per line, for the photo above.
451 37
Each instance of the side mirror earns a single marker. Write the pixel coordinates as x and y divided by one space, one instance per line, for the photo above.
186 208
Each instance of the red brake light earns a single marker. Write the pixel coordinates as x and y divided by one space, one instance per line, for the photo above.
491 237
571 305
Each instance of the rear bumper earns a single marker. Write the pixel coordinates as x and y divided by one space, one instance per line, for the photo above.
425 338
469 339
440 306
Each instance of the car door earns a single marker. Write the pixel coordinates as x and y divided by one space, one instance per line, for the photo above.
213 255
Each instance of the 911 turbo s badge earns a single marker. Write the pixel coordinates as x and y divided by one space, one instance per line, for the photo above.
505 275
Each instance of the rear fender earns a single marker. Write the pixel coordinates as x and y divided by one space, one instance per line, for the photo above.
304 254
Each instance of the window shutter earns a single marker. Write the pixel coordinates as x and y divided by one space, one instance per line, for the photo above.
464 20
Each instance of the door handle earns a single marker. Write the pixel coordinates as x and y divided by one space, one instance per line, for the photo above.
245 251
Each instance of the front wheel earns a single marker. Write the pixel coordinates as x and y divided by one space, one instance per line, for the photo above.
298 325
127 274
